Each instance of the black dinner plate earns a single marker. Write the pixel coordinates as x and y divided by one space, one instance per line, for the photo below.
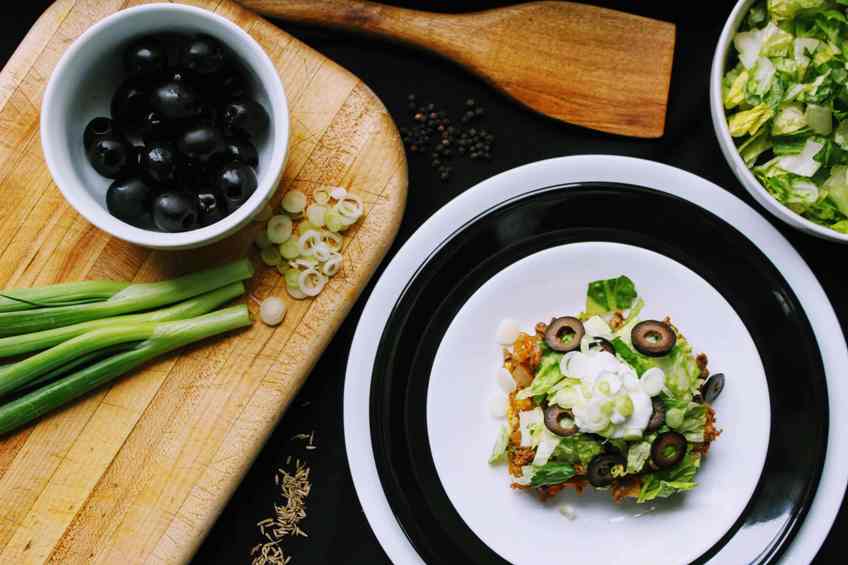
559 215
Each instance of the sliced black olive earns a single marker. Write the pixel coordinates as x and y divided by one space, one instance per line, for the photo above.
236 182
605 468
560 421
712 387
129 200
201 142
145 56
602 344
668 449
564 334
657 416
131 101
158 161
175 100
653 338
203 54
110 156
240 150
98 128
176 212
212 206
245 116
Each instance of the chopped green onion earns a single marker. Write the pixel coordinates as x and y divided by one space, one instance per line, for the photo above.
36 341
133 298
331 240
315 214
308 241
166 337
272 311
290 249
311 282
332 265
63 294
321 196
279 229
294 202
271 256
338 193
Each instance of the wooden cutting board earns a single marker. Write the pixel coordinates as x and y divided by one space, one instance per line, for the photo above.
138 472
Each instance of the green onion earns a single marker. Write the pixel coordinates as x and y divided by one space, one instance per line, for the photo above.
133 298
166 336
64 294
27 343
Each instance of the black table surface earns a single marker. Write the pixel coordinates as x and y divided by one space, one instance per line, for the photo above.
337 528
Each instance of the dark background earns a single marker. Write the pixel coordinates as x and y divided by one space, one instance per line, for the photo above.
337 528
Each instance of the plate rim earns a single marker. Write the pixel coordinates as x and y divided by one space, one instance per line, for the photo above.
574 169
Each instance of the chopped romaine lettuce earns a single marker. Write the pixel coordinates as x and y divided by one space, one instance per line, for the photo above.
551 474
664 483
639 362
547 375
499 449
547 444
749 122
609 295
577 449
637 455
530 423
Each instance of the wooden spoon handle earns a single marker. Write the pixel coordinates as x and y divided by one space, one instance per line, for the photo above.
400 24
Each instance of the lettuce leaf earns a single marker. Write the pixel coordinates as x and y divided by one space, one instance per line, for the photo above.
688 418
637 456
547 375
664 483
575 449
609 295
551 474
499 449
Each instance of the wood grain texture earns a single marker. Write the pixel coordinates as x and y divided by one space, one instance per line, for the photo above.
581 64
137 472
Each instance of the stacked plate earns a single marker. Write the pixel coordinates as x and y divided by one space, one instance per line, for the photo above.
523 245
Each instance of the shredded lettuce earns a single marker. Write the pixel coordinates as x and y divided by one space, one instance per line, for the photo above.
547 375
637 456
639 362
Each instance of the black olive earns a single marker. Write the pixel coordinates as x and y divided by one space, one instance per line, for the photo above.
602 344
158 161
130 102
712 387
237 149
176 212
129 200
110 156
554 421
245 116
212 206
232 84
657 416
236 182
207 114
203 54
98 128
668 449
605 468
175 100
201 142
564 334
145 56
653 338
193 175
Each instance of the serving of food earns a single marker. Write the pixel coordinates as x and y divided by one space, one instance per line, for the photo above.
606 400
785 95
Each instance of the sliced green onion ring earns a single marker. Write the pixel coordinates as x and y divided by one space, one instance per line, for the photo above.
308 241
295 293
321 196
350 207
272 311
311 282
338 193
279 229
315 214
294 202
322 252
271 256
290 249
332 265
332 240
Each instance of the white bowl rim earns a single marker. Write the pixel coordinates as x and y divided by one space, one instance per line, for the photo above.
728 148
268 180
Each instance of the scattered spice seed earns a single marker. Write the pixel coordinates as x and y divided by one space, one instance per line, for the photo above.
433 132
294 489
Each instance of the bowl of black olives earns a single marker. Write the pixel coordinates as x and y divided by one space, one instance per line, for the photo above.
166 126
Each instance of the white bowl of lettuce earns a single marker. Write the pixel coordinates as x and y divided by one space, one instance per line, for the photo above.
779 104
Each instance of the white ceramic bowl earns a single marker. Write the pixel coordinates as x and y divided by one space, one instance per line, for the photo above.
725 141
82 86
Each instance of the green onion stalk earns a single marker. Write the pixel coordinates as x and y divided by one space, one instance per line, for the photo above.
63 294
133 298
152 340
37 341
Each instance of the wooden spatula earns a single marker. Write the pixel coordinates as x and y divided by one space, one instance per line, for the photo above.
585 65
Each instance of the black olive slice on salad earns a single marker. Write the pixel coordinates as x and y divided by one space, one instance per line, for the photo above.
560 421
668 449
564 334
605 468
657 416
602 344
653 338
712 387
